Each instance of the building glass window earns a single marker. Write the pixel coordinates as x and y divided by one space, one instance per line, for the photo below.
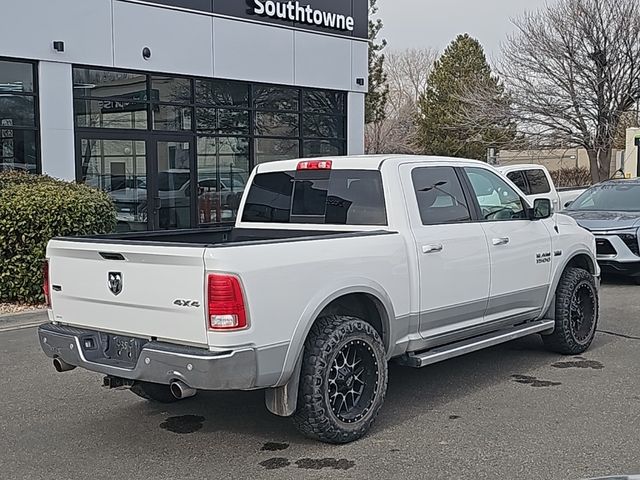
233 125
19 137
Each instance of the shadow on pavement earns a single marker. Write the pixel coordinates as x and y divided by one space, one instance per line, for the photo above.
411 393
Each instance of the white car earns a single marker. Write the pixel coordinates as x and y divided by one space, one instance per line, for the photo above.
536 182
333 268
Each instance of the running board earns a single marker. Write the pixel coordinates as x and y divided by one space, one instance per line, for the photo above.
438 354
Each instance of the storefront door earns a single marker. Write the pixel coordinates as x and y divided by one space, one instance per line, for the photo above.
149 179
171 179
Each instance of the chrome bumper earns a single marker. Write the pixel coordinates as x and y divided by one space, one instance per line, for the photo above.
158 362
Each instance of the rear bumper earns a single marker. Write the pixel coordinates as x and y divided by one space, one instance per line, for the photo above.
158 362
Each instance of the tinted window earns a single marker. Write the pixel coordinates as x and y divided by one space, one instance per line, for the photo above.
439 195
497 200
223 121
323 126
518 179
170 89
169 181
323 148
18 119
276 124
16 77
356 198
310 195
614 197
538 182
106 84
339 197
275 98
321 101
269 198
220 92
272 149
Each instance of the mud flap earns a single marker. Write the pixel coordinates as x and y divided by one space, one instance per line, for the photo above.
282 401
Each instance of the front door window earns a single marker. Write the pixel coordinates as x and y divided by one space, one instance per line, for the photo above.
497 200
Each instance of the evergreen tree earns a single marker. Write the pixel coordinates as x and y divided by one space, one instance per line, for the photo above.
376 99
444 124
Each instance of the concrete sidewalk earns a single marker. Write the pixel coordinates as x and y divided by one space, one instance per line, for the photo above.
15 321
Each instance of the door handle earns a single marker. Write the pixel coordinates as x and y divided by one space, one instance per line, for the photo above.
431 248
500 241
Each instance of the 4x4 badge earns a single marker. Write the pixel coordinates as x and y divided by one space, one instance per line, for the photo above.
115 282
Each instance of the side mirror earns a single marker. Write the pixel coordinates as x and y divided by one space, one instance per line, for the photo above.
541 209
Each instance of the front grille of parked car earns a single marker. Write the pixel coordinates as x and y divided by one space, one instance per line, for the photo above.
604 247
630 241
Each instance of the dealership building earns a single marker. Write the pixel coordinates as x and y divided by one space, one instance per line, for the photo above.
169 104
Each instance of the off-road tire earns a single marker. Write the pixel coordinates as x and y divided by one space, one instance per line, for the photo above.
324 352
154 392
576 313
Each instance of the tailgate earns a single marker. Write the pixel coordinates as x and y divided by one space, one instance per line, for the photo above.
138 290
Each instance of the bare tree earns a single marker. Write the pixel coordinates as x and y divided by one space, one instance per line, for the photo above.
407 72
572 70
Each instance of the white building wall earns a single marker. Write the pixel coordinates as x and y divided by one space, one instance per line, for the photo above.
180 42
56 120
29 28
252 52
112 33
355 118
322 61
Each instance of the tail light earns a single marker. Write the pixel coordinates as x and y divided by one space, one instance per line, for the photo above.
226 308
315 165
45 284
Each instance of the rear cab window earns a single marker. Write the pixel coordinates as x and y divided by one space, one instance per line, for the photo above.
538 183
518 180
329 197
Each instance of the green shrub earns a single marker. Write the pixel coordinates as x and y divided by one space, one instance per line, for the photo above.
34 209
571 177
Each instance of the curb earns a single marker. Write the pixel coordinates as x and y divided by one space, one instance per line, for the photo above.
23 317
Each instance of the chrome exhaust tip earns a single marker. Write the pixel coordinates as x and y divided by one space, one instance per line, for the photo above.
62 366
181 390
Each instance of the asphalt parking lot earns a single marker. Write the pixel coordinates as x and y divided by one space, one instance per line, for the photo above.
510 412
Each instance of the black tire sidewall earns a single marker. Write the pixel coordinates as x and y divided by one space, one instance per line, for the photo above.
563 338
380 360
314 416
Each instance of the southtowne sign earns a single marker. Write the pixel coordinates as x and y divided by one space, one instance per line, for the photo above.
303 14
341 17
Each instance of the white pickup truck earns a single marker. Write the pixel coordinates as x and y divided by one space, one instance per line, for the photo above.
536 182
334 268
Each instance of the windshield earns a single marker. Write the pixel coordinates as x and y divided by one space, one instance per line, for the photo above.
618 197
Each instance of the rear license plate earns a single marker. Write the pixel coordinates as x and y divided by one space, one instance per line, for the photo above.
124 349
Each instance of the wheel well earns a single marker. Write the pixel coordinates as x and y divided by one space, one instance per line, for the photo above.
363 306
582 261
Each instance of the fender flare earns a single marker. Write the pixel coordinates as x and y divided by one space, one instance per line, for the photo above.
282 399
320 302
548 304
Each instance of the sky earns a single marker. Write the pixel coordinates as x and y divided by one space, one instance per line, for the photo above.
434 23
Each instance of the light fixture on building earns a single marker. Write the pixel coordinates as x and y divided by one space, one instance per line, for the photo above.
146 53
360 81
58 46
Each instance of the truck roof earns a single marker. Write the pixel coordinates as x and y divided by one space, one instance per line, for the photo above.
520 166
363 162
